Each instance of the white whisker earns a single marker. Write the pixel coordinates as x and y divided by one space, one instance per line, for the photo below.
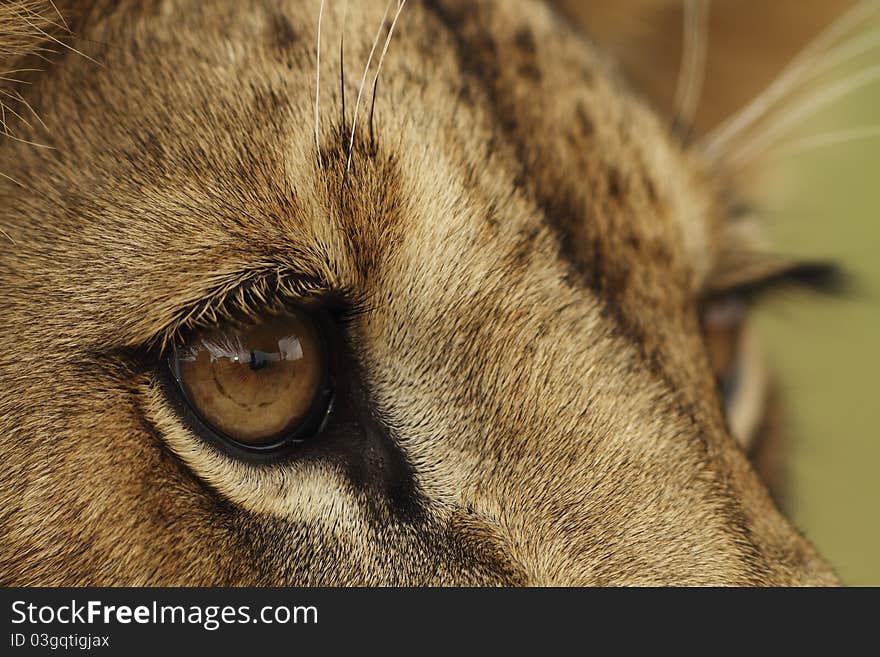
4 128
342 61
46 35
828 140
9 109
363 82
5 133
400 6
802 111
17 96
60 15
693 60
845 53
714 143
318 89
12 180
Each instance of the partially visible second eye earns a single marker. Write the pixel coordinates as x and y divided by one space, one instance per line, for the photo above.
258 388
738 365
722 328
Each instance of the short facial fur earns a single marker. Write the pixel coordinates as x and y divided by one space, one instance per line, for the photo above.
527 246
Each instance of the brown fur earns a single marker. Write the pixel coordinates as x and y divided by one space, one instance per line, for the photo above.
529 247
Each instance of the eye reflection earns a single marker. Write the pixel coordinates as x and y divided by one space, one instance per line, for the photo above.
257 385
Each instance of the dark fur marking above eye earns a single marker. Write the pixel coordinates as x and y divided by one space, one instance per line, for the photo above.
530 70
584 122
282 35
478 58
650 188
615 184
525 40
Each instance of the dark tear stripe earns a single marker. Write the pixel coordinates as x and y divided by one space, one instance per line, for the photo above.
478 59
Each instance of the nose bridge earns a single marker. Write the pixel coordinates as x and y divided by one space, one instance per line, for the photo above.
591 439
614 492
605 476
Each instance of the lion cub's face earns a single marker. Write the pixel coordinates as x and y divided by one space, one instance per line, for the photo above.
486 326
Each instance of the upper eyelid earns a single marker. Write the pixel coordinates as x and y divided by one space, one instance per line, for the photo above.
775 273
246 296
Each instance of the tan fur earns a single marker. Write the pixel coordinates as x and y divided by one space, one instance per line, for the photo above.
531 246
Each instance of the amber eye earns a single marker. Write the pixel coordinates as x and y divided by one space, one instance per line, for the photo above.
259 386
738 365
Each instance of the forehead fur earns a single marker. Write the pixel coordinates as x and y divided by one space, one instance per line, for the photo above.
551 131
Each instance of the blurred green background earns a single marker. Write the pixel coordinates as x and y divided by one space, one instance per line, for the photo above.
825 203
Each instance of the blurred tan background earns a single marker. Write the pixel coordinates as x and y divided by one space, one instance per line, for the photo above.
821 200
826 203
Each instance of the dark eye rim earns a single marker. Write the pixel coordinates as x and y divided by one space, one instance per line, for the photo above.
286 444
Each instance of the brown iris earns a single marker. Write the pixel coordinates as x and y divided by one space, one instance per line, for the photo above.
257 385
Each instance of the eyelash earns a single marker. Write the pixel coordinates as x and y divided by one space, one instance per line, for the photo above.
254 299
819 277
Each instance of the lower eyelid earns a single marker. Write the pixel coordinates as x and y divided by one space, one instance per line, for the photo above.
308 490
745 408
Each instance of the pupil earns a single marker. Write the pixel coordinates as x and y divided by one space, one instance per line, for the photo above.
258 360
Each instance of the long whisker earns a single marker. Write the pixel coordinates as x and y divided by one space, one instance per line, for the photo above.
802 111
400 5
32 111
828 140
363 83
12 111
26 16
342 61
841 55
373 114
844 53
12 180
8 135
693 62
60 15
4 128
318 89
46 35
716 141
